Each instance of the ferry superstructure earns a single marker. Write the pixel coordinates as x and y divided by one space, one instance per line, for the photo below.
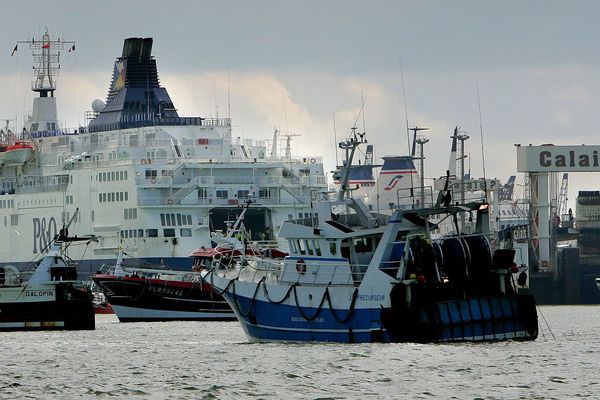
139 176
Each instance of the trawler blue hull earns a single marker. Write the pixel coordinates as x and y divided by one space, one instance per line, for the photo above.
265 321
480 319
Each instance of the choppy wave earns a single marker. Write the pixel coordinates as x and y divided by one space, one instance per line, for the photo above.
214 360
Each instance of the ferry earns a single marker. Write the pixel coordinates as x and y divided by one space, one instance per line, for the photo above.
138 175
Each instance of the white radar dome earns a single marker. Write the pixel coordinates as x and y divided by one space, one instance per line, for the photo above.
98 105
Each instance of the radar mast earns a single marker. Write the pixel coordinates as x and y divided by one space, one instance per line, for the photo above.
46 66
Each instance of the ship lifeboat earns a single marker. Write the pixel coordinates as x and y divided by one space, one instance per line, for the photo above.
17 153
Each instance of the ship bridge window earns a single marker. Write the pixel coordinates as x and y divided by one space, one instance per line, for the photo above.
222 194
152 232
151 173
130 213
169 232
345 250
242 194
185 232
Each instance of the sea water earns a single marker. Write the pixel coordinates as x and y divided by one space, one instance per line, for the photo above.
214 360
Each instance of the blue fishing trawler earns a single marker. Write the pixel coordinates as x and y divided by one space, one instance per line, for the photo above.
357 276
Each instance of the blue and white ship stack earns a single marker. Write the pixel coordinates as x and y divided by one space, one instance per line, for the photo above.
356 276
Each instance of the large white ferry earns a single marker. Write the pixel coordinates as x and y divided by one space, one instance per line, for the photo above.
139 175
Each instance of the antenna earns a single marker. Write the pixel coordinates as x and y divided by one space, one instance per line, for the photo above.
228 95
405 106
421 140
481 134
363 111
335 138
287 129
288 145
362 107
414 144
216 105
275 143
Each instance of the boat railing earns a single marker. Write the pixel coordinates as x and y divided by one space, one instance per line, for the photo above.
153 273
411 198
265 244
328 274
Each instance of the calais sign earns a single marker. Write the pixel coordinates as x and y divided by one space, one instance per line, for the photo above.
558 158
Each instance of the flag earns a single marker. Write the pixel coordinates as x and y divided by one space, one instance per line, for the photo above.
14 50
46 46
72 48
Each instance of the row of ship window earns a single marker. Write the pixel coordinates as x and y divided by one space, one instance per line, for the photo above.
241 194
167 232
113 196
313 247
175 219
112 176
7 203
14 220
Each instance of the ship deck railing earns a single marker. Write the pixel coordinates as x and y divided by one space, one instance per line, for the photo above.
167 121
264 181
197 201
275 270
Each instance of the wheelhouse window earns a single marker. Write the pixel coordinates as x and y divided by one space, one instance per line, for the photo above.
317 246
301 247
332 247
309 247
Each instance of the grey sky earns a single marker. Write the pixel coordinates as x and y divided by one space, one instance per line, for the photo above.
294 64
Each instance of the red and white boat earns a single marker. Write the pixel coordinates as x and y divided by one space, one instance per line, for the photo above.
159 294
